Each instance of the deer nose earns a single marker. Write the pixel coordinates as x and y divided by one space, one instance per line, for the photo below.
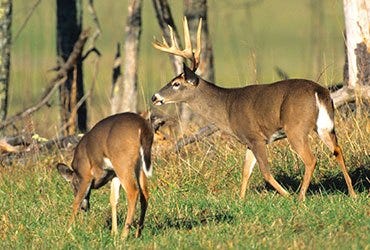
157 99
154 98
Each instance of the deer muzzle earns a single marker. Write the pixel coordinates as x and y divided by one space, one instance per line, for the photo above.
157 99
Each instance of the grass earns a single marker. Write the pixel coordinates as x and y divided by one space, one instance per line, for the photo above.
194 201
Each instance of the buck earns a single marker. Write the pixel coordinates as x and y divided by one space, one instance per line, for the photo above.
117 148
257 114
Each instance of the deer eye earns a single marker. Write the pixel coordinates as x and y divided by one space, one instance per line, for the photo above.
176 84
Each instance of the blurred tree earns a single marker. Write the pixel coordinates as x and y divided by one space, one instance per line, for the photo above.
5 43
125 92
317 34
69 26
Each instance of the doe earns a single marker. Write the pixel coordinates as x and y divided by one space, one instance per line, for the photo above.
117 148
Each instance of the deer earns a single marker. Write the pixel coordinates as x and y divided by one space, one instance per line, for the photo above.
256 114
116 149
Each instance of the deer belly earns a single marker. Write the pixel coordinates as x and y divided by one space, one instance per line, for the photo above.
279 134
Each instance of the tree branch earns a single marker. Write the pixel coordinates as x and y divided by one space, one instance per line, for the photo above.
202 133
346 94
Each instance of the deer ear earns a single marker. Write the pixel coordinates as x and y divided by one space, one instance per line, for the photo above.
65 171
190 76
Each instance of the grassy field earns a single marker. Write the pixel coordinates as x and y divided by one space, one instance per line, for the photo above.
194 200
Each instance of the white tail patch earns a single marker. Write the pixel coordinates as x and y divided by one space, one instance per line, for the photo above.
148 170
324 123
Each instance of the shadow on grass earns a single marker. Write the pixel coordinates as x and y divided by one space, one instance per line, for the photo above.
190 223
167 223
330 184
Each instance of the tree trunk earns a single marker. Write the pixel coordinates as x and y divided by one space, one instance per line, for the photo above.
5 43
127 91
357 15
69 26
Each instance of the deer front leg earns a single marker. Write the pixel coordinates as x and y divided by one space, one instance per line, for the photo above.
114 196
83 190
249 163
259 151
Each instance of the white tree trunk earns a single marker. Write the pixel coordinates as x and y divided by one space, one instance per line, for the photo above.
127 93
356 15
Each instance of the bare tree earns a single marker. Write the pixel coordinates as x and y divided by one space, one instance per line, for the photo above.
69 26
5 43
125 96
357 67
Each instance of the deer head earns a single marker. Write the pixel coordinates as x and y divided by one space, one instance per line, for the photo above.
179 89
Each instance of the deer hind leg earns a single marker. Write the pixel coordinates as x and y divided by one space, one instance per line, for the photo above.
259 151
127 174
248 166
330 139
144 196
300 145
132 192
114 196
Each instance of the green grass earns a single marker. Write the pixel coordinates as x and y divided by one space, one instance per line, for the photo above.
194 201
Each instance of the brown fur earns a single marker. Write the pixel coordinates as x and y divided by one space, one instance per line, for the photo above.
117 138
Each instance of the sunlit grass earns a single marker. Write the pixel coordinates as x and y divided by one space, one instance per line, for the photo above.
195 200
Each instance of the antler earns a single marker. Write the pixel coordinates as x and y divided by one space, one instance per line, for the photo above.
188 52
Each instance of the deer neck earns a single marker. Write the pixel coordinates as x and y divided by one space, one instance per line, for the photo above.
211 101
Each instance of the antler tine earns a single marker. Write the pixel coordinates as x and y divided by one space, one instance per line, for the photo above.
188 52
174 43
199 45
188 47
